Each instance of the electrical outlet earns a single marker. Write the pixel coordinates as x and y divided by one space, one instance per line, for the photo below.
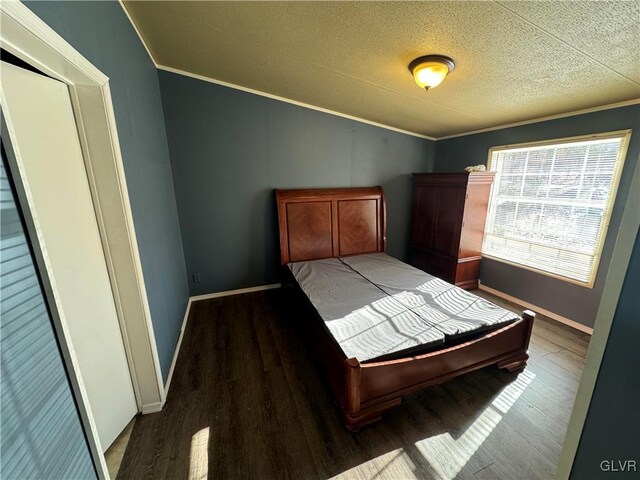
196 278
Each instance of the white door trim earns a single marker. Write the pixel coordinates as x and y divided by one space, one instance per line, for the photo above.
625 239
25 35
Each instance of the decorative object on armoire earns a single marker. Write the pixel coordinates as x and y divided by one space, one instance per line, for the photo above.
449 214
476 168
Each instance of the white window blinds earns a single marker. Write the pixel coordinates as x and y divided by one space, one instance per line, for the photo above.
550 204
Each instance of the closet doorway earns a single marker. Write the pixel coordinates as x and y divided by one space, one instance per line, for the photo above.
25 36
40 116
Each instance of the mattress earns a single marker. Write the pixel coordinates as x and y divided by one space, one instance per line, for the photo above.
376 306
454 311
364 320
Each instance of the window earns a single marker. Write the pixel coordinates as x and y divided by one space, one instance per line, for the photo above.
551 202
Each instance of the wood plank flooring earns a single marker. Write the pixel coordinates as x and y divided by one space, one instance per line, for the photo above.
249 400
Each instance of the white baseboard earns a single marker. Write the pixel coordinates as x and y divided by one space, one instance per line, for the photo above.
186 319
535 308
235 292
151 408
177 351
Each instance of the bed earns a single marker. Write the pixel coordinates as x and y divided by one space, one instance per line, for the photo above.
382 328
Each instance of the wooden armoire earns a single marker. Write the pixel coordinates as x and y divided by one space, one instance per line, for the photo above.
449 213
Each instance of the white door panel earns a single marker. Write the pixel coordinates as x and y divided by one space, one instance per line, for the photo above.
46 140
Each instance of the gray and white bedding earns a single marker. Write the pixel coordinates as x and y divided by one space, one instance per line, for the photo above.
375 305
365 321
451 309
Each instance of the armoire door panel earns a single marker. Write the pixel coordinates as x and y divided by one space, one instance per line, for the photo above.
449 213
450 208
424 217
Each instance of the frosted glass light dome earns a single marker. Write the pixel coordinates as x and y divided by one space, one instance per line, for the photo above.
430 71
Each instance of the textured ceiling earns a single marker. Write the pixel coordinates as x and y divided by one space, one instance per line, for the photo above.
515 61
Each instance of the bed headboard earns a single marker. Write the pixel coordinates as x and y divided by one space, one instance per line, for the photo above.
330 222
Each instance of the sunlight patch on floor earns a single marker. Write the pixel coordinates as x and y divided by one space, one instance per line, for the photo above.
512 392
448 456
199 459
392 465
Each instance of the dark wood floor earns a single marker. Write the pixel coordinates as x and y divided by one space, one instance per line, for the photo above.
248 400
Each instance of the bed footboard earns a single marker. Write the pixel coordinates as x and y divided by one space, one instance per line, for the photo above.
373 388
365 391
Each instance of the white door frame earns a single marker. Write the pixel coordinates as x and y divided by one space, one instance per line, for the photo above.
26 36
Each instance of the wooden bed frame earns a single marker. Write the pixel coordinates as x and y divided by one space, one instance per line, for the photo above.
324 223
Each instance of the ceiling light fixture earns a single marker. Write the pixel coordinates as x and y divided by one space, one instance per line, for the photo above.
429 71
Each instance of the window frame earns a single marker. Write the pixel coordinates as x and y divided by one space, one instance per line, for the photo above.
624 136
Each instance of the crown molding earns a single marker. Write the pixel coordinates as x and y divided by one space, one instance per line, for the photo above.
203 78
610 106
135 27
388 127
258 92
288 100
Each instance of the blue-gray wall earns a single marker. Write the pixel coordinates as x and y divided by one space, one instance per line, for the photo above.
103 34
42 436
230 149
612 428
572 301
